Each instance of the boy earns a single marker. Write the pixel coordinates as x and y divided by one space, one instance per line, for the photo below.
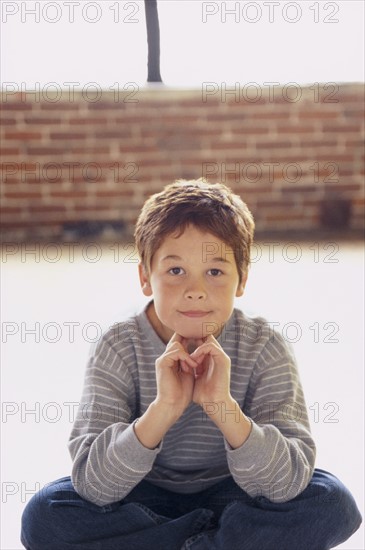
192 432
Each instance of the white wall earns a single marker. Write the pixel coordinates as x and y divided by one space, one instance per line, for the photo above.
324 285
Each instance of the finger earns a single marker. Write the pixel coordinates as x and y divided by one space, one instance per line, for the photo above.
179 355
205 349
175 344
185 367
175 338
201 350
199 358
210 339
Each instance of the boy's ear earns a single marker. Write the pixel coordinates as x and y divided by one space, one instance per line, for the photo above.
241 287
144 280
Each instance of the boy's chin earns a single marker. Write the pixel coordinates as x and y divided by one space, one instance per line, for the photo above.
192 333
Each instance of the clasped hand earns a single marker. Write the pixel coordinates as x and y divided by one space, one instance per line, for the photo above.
201 376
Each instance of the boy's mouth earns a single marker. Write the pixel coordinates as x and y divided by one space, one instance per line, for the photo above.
194 313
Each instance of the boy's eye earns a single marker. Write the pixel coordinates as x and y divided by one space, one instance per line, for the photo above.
179 271
175 270
216 272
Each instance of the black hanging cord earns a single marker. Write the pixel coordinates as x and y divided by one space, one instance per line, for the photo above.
153 41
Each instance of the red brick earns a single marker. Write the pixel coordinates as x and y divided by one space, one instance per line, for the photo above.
211 103
319 115
273 145
295 129
247 99
29 179
59 106
131 119
339 187
10 151
30 223
107 106
231 145
355 112
174 121
22 195
285 216
4 106
324 156
69 194
4 166
22 136
348 97
249 130
318 142
42 120
113 134
115 194
47 209
67 135
342 127
224 116
40 151
341 172
7 121
271 115
11 180
281 203
11 210
91 151
91 207
125 148
300 189
359 202
153 161
354 143
87 121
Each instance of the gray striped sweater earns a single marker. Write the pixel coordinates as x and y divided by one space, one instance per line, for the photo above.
276 461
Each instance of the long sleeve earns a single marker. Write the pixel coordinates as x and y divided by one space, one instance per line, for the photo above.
108 459
277 459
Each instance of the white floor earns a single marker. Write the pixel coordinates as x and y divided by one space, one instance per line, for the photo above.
69 298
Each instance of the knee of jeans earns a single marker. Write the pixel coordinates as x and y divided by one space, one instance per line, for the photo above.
340 505
348 511
36 524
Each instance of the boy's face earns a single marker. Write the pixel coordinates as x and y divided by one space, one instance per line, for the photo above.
194 281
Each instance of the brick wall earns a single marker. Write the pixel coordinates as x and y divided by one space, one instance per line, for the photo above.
295 155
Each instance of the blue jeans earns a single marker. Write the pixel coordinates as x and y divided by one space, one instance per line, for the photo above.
222 517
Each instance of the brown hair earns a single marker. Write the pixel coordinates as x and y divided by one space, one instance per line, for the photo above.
210 207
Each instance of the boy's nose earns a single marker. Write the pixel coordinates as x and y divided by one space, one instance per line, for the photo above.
193 294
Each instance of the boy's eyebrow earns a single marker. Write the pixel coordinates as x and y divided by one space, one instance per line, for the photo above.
170 257
174 257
